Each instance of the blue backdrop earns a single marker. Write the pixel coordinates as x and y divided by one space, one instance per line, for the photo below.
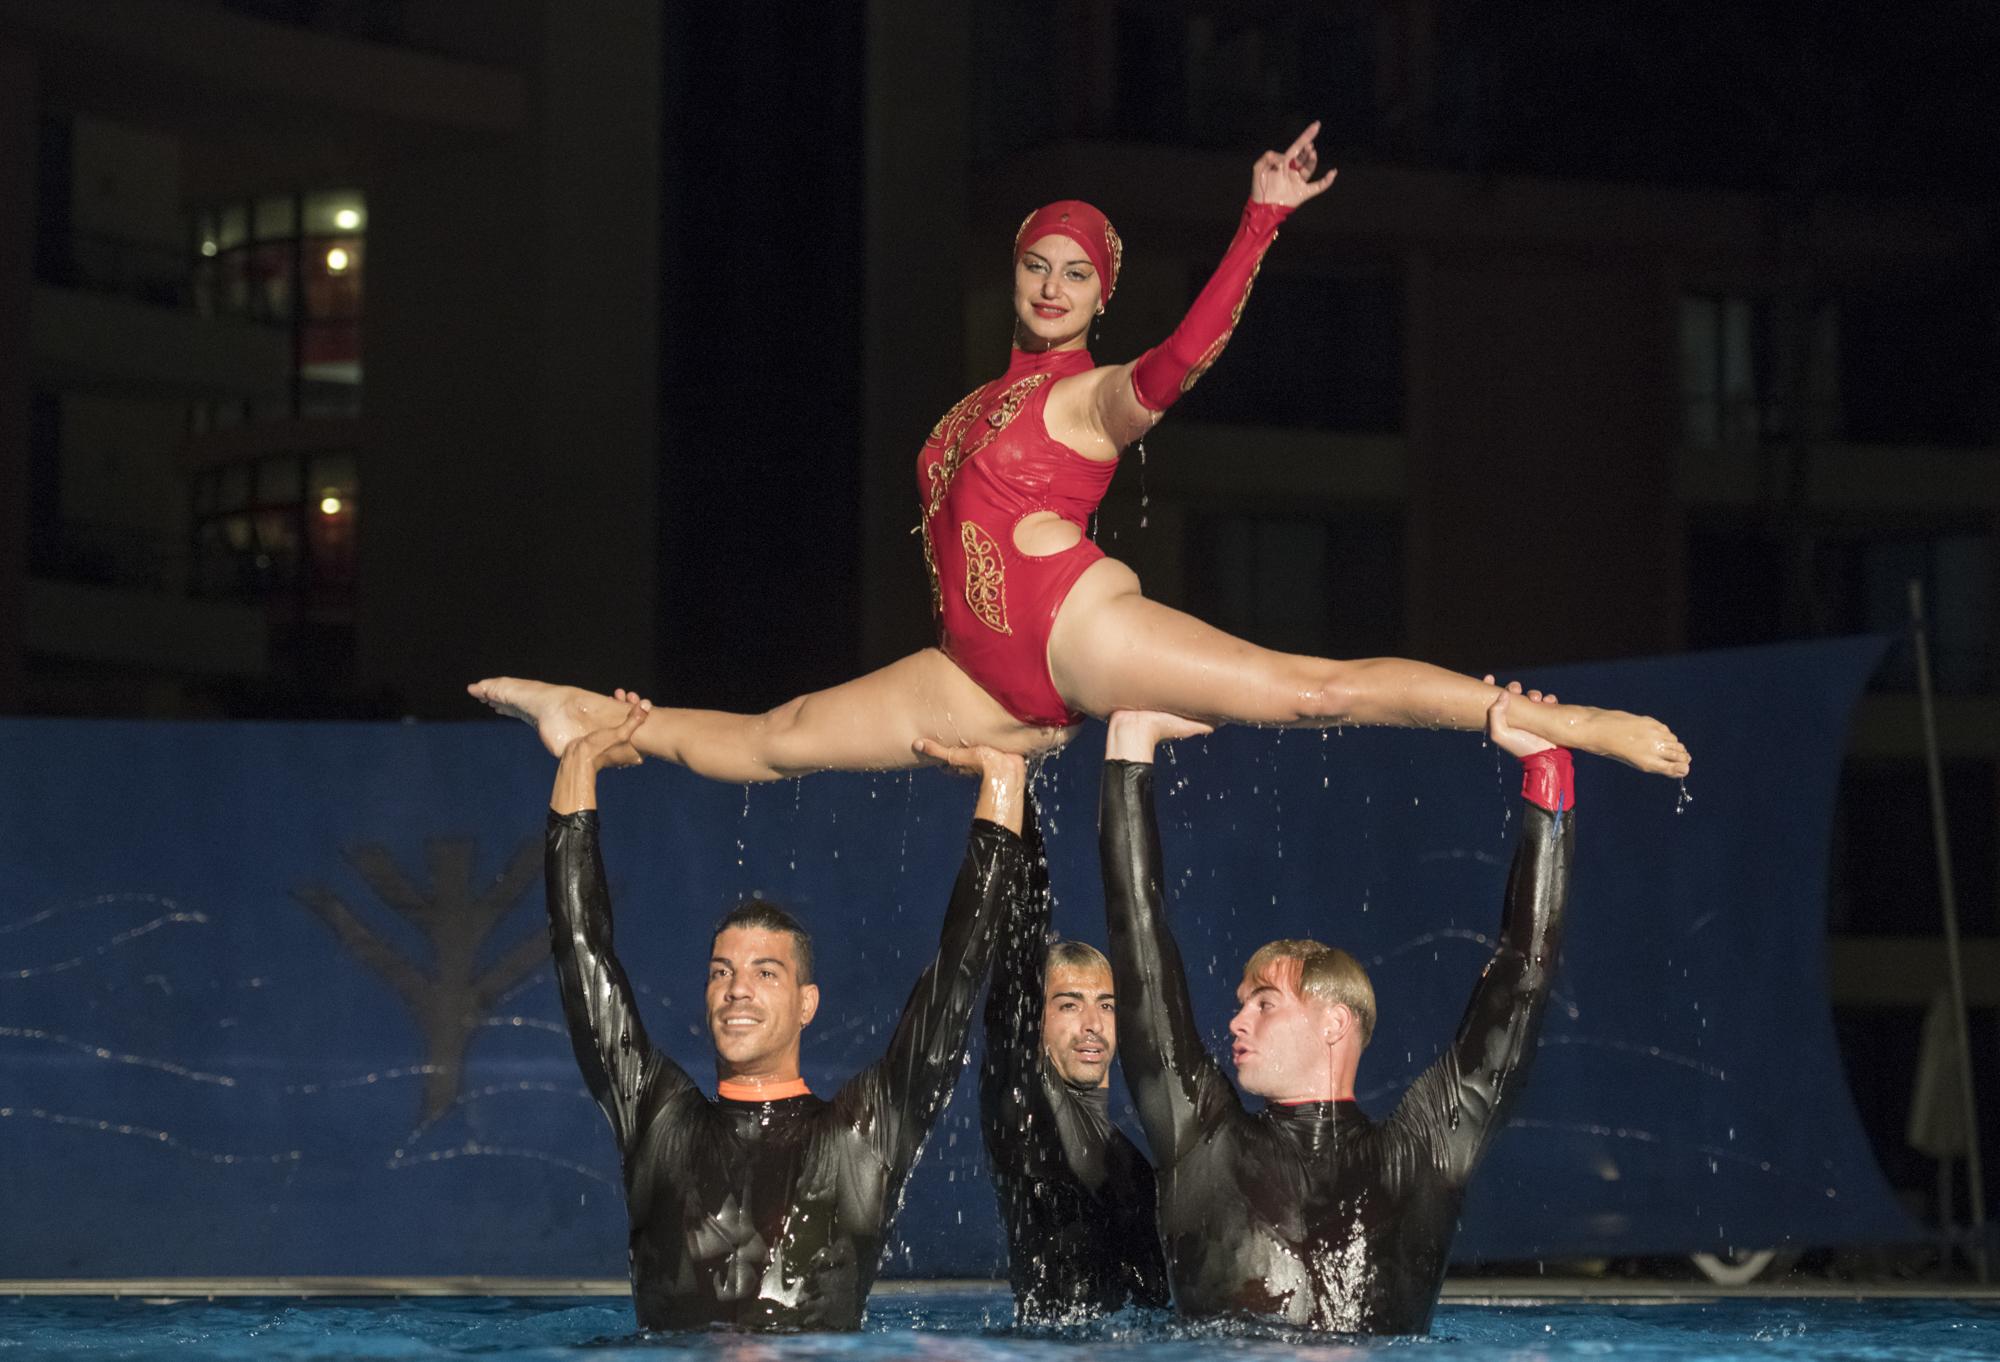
275 998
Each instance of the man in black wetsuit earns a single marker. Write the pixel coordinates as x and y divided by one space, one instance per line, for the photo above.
767 1207
1306 1213
1076 1197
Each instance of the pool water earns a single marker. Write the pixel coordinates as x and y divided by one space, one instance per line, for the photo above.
972 1327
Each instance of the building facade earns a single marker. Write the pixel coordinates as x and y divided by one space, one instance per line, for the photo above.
314 312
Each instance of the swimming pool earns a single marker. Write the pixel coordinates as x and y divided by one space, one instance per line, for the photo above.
970 1326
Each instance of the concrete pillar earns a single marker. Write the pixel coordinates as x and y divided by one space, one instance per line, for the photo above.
1542 514
18 146
598 457
508 477
918 135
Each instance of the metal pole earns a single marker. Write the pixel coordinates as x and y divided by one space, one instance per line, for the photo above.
1948 899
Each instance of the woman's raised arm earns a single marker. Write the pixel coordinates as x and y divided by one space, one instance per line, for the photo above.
1131 398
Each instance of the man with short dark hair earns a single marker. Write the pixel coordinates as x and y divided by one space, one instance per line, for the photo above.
1307 1213
1076 1197
765 1207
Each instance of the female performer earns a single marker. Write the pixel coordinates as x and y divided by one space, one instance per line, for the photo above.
1036 626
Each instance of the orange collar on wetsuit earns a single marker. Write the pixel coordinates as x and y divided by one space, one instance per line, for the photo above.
732 1091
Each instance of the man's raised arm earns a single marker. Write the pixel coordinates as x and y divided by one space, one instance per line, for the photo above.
627 1076
1175 1083
903 1092
1462 1100
1011 1074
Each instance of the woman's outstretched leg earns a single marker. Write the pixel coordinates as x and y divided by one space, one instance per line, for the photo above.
868 724
1114 649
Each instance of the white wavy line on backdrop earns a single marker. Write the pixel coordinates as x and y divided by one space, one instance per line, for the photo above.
109 1055
96 901
403 1163
528 1023
123 938
146 1133
367 1079
494 1090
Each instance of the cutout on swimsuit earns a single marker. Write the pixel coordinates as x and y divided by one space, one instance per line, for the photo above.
1044 534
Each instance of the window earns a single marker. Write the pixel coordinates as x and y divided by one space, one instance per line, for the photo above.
1736 361
1863 587
279 529
1208 73
1917 365
1322 352
1885 879
296 261
1329 586
1852 581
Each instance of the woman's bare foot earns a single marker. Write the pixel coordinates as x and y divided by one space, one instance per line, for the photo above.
558 714
1642 743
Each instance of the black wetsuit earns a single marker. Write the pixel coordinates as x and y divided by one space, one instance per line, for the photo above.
1076 1196
765 1215
1313 1215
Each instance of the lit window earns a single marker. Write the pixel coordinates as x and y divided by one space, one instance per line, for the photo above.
298 262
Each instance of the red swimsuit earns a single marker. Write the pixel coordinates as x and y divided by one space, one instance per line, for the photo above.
987 464
991 461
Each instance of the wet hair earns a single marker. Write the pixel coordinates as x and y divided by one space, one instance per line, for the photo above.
769 917
1315 970
1066 954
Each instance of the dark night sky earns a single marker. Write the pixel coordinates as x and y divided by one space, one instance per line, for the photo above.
1843 97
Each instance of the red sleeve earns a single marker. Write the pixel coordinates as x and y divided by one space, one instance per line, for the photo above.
1170 368
1548 780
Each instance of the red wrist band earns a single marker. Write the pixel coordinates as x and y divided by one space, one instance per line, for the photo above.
1548 780
1170 368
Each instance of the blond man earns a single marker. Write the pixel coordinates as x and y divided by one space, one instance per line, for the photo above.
1305 1212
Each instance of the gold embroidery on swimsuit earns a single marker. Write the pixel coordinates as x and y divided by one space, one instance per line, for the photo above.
1214 351
958 453
985 577
946 428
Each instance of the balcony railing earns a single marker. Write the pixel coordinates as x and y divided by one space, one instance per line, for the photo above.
143 270
98 554
373 21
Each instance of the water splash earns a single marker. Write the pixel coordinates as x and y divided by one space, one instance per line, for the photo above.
1145 499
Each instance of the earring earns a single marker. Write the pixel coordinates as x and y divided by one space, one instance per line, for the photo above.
1100 309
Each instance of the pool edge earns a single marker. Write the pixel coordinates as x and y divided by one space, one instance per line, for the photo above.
1489 1291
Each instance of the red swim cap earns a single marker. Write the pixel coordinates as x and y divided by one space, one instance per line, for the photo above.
1085 226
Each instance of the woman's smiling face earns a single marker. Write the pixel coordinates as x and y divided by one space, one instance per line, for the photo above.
1056 293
